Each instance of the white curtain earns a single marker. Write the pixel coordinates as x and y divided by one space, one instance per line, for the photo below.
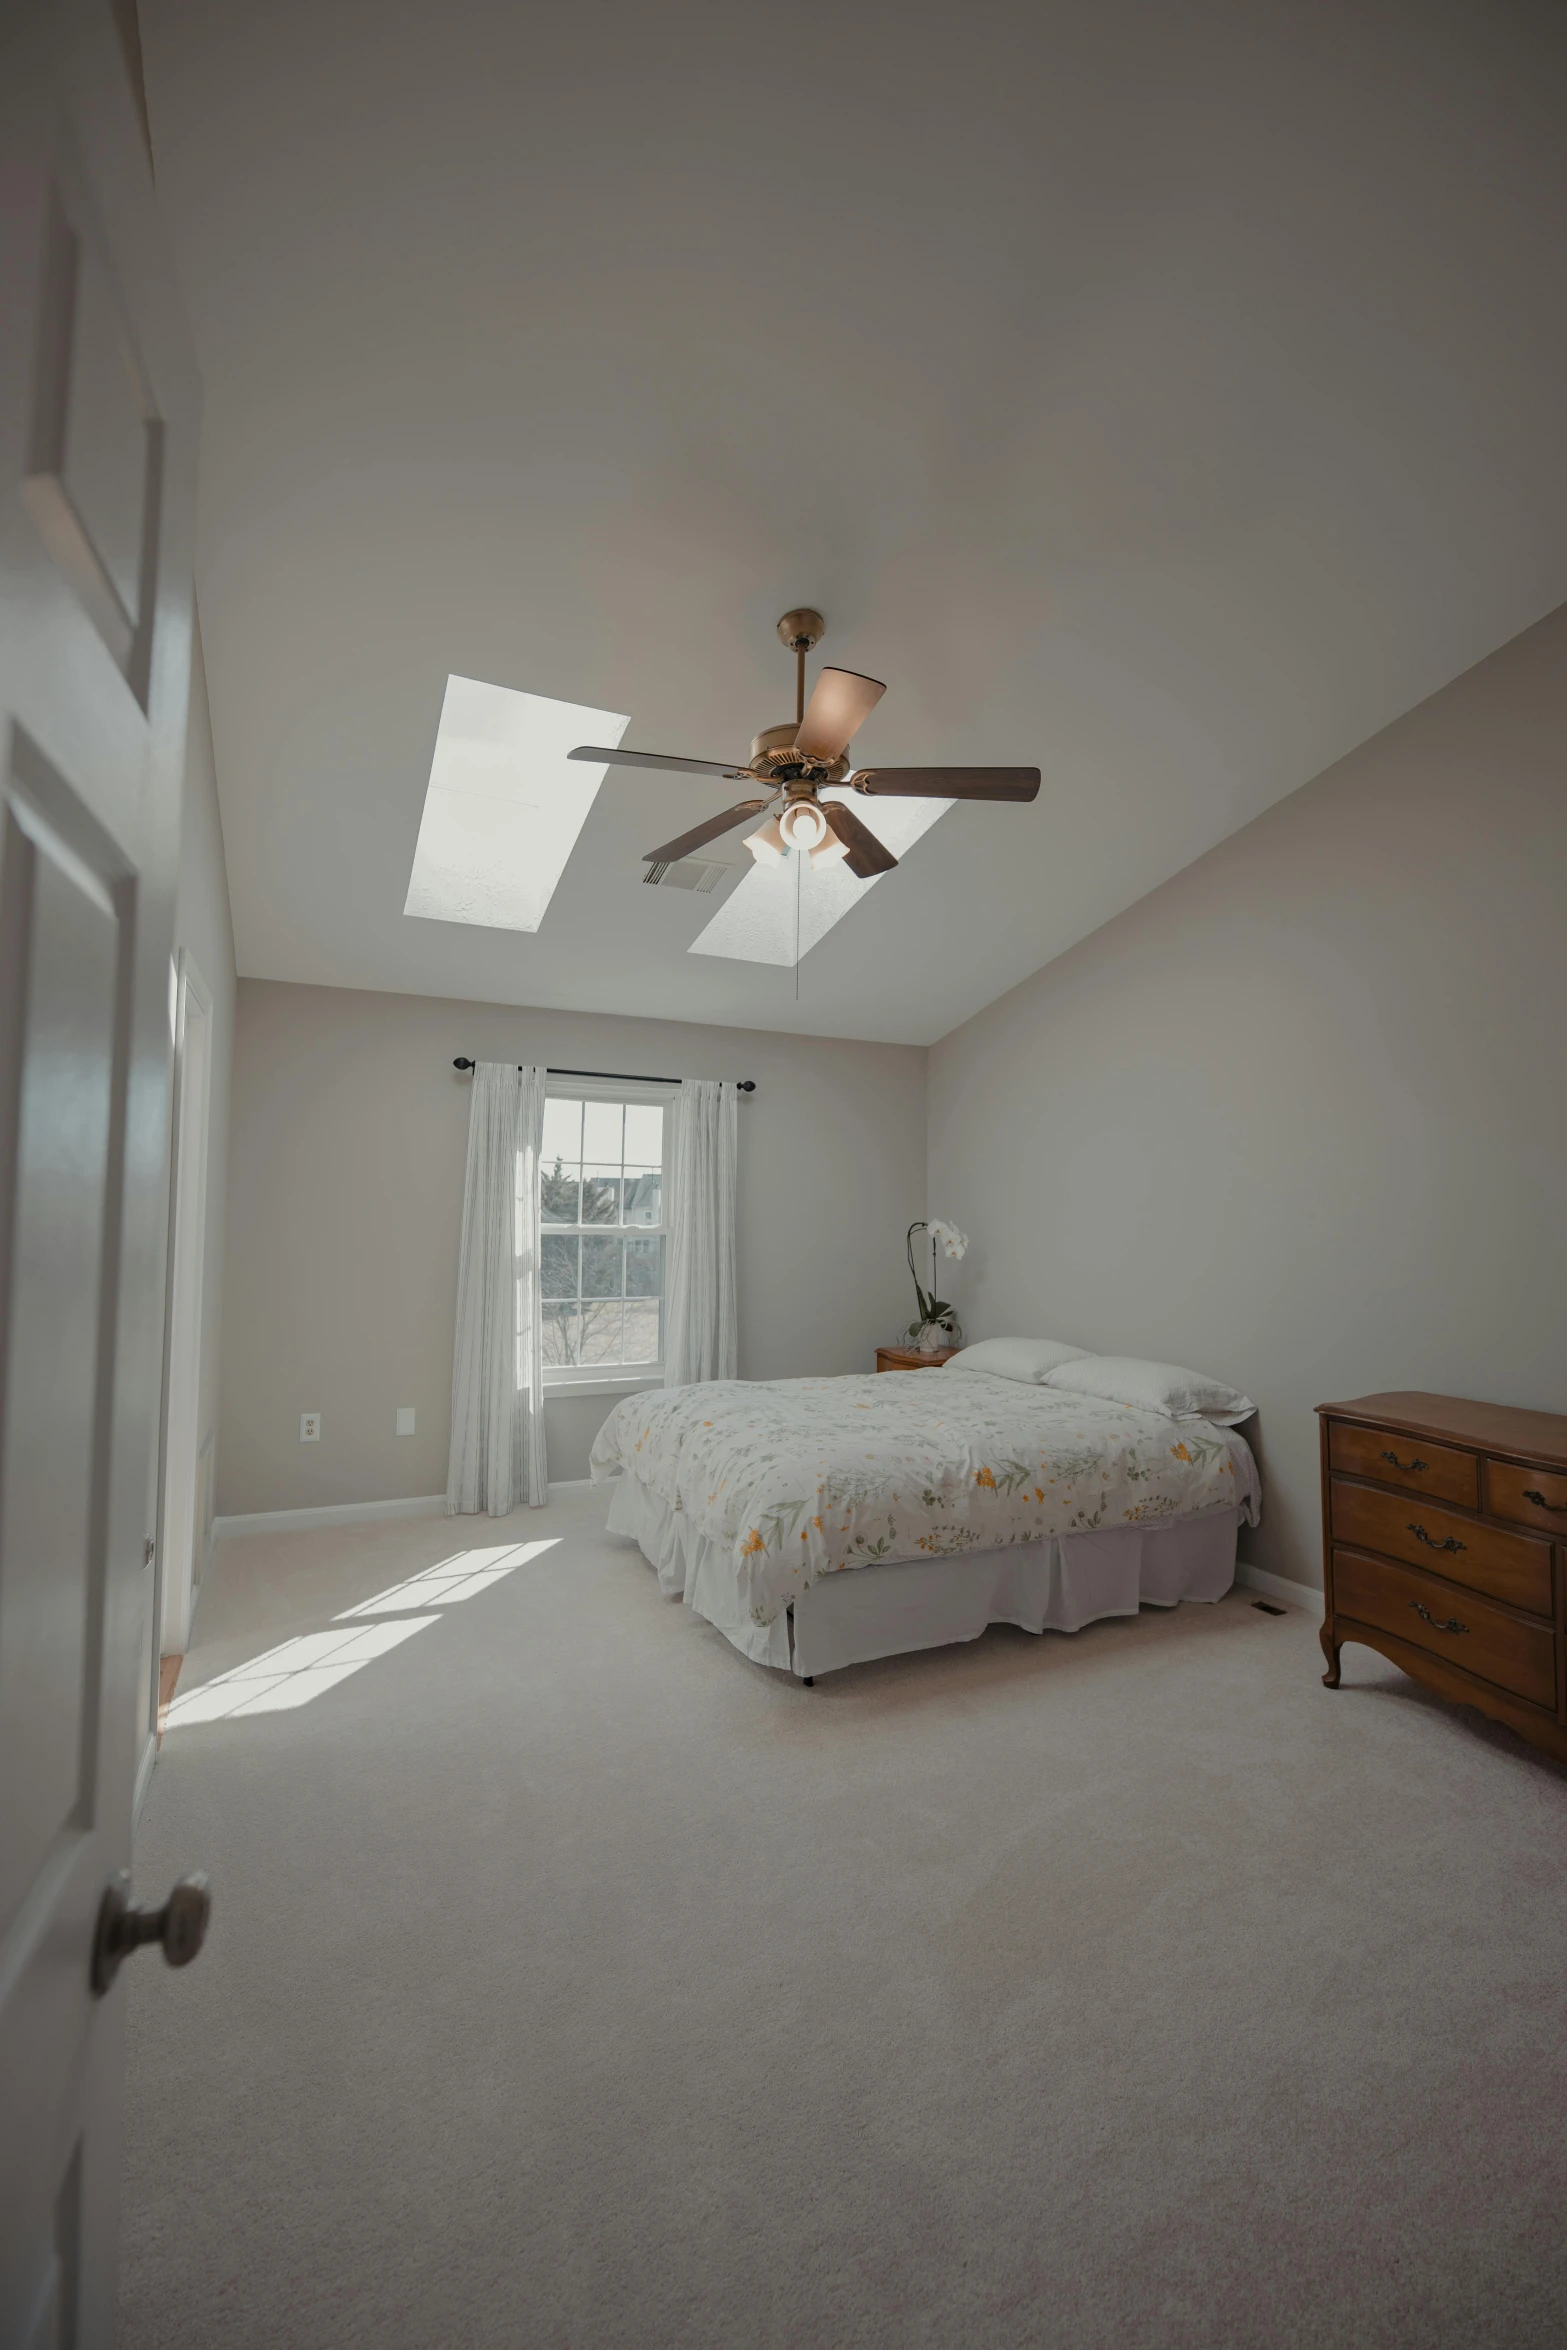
701 1333
497 1455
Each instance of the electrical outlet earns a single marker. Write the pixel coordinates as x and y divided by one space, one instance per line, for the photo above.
310 1427
405 1419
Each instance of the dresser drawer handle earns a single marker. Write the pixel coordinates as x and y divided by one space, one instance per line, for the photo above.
1452 1543
1540 1501
1452 1624
1398 1464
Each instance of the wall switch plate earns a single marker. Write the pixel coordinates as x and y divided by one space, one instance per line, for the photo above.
310 1427
405 1419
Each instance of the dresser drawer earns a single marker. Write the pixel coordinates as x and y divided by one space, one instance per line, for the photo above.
1535 1497
1460 1630
1511 1567
1400 1460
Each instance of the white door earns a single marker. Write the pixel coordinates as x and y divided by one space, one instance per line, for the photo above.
98 417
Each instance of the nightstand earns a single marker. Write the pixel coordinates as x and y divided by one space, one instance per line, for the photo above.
909 1358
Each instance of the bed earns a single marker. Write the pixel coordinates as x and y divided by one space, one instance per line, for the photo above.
824 1522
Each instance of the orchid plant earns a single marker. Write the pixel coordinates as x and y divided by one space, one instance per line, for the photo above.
943 1236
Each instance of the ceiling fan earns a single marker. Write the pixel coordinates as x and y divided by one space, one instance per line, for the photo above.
794 762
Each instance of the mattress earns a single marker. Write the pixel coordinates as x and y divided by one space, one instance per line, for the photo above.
747 1496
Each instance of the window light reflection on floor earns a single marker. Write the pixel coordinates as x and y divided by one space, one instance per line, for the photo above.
458 1577
304 1667
293 1674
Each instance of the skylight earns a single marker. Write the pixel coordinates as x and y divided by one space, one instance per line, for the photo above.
779 912
504 807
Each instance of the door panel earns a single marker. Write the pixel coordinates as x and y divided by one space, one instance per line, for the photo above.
61 975
95 442
98 422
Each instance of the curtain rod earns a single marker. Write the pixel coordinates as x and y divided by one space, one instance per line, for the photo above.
612 1076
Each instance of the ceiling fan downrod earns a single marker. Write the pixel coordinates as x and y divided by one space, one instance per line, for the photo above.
800 630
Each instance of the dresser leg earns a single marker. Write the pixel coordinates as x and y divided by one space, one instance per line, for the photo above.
1330 1651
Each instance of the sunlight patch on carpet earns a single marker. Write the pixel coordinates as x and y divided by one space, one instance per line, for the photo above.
459 1577
292 1675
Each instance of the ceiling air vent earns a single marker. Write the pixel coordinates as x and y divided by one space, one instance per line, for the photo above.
698 873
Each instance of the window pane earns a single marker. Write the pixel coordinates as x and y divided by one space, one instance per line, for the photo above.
601 1195
560 1265
644 1198
601 1132
601 1268
645 1268
562 1334
601 1332
562 1131
559 1193
644 1134
644 1340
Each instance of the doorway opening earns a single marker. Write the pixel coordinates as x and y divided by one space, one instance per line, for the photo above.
185 1464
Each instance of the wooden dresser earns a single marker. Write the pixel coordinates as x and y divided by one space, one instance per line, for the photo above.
1444 1537
909 1358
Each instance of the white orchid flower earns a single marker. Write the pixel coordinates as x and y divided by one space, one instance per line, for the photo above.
948 1236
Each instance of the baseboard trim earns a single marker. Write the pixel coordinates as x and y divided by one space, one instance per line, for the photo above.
1301 1595
360 1513
335 1513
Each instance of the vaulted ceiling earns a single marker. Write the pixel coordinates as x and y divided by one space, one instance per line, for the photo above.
1165 396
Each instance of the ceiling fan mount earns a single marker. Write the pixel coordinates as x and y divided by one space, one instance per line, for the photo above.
791 764
802 629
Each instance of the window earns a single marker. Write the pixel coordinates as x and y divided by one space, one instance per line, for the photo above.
602 1208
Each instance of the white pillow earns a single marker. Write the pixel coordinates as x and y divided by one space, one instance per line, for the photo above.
1167 1388
1028 1359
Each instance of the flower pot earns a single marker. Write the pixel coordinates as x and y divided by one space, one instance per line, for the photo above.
932 1337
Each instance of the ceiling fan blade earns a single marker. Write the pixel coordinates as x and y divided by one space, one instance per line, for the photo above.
601 758
700 834
838 708
867 855
949 783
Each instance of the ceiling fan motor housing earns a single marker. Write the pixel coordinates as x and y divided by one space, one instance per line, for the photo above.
774 759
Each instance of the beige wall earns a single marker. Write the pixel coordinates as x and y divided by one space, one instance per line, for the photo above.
1300 1117
345 1203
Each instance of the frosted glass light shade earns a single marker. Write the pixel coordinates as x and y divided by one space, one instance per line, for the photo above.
767 844
803 825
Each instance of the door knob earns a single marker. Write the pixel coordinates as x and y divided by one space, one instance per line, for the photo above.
123 1925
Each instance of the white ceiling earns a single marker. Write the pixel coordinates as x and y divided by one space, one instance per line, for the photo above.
1169 396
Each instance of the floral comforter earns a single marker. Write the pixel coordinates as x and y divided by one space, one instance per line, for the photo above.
794 1479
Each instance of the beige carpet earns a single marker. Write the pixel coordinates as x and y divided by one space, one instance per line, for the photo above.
573 1982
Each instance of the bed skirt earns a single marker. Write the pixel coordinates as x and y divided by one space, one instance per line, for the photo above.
1057 1585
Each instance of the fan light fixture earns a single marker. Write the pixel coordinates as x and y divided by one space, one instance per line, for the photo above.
802 825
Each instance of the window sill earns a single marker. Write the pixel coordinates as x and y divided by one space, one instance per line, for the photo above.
555 1388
